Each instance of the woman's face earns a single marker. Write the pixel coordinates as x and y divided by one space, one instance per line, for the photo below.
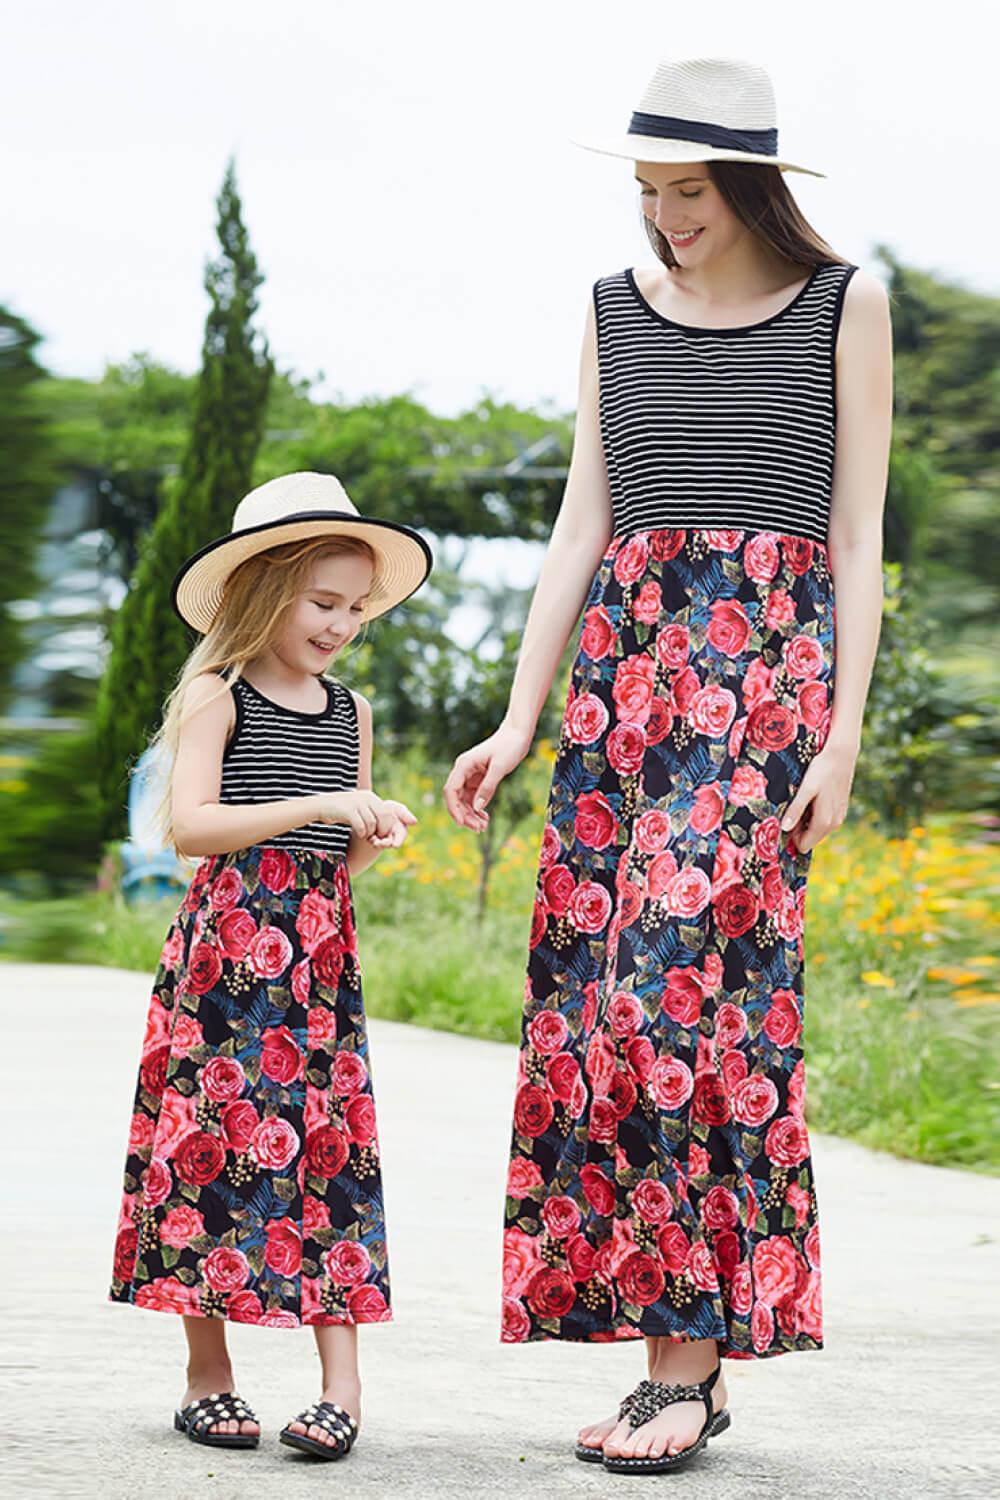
687 208
327 614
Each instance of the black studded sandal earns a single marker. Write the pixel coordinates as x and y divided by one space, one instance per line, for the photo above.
334 1420
650 1399
196 1419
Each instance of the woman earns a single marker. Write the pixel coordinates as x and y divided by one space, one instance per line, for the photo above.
728 476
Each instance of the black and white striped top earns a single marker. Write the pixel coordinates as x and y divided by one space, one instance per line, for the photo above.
278 752
720 427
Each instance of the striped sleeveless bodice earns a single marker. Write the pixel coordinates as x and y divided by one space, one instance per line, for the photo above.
720 427
278 752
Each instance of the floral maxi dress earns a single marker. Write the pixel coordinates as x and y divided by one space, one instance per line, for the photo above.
253 1187
660 1181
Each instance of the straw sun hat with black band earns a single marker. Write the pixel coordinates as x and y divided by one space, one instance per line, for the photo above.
295 508
703 109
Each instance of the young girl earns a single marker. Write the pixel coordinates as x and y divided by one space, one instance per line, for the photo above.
729 467
252 1187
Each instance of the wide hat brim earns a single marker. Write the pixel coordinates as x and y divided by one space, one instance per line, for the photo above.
660 149
404 561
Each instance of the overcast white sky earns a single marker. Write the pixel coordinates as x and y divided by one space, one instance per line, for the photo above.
423 221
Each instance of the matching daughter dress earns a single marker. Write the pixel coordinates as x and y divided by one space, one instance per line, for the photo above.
253 1188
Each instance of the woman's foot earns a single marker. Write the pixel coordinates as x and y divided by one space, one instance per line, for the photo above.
214 1382
593 1436
677 1426
343 1392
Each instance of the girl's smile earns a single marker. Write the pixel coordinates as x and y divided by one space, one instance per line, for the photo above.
328 613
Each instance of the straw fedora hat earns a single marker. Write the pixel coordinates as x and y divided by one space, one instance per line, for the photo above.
294 508
703 109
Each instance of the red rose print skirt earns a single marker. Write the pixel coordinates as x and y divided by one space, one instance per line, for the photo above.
253 1190
660 1181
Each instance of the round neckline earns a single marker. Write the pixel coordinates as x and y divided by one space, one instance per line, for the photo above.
700 328
296 713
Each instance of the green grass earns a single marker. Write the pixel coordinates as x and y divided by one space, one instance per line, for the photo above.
96 928
907 1073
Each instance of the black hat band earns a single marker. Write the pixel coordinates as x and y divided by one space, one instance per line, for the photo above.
760 142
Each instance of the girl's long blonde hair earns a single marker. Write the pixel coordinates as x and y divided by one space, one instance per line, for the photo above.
255 599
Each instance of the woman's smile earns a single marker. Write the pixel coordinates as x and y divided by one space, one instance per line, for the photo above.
684 237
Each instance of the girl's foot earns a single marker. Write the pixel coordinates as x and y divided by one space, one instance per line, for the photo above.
343 1392
212 1383
677 1426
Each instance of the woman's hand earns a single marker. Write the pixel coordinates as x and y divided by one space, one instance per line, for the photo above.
478 772
820 804
383 824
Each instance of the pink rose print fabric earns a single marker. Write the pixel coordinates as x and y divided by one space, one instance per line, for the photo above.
253 1188
660 1181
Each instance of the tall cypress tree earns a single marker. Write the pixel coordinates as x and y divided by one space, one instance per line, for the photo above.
148 642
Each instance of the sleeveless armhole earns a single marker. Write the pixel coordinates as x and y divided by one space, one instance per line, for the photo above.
336 688
597 312
237 727
838 312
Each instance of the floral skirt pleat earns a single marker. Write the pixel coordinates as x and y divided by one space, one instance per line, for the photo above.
253 1190
660 1179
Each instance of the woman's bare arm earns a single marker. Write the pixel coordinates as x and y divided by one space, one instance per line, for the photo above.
864 424
580 537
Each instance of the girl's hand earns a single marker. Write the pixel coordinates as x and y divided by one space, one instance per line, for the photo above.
478 772
402 819
820 804
368 816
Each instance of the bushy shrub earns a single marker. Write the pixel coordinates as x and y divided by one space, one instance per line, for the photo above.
927 742
49 814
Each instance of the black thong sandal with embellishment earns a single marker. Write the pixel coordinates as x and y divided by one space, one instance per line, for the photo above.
589 1453
334 1420
650 1399
197 1418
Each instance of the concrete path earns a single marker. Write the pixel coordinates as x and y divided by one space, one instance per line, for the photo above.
899 1404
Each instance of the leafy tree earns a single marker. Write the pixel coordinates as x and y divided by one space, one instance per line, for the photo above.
145 411
148 642
27 479
926 741
945 478
470 475
470 697
947 346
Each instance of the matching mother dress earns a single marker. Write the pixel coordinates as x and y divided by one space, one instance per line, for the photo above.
660 1181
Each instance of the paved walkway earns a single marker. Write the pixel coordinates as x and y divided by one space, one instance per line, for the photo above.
898 1405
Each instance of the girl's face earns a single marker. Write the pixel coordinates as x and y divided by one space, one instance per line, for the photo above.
327 614
687 208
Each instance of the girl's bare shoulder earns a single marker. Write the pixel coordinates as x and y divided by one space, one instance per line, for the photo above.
363 706
209 691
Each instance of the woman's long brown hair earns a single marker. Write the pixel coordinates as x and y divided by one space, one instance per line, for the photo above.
762 200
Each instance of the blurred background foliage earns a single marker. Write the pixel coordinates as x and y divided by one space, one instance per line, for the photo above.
111 481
